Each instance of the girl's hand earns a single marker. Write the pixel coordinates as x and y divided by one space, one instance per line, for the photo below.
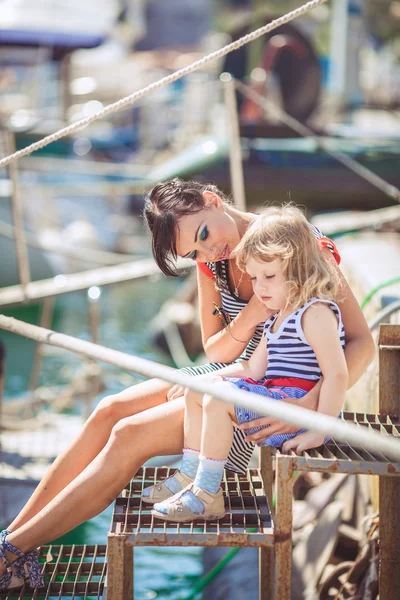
309 401
304 441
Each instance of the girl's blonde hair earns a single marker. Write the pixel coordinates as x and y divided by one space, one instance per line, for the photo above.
284 233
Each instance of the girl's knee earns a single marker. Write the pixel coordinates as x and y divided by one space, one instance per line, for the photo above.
192 397
210 403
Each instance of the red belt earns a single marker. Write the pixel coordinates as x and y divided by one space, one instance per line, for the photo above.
303 384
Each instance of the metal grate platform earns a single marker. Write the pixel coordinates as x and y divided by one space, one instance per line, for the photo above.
335 457
247 522
68 571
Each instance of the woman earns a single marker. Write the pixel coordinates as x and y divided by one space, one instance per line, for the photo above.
185 219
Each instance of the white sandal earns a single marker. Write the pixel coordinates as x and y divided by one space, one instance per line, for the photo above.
179 512
159 492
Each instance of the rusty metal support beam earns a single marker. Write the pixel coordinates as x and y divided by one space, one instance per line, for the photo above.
389 488
266 570
119 569
283 527
266 555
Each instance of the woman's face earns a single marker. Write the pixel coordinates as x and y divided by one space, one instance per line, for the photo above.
209 235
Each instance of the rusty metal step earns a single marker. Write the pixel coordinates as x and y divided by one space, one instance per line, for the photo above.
76 571
248 521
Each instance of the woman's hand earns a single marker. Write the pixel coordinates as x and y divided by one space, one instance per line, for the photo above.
177 391
310 401
304 441
257 312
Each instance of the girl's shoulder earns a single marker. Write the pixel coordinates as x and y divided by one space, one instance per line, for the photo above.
320 307
318 311
318 303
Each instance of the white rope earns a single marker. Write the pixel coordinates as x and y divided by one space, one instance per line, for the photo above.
303 418
366 174
128 100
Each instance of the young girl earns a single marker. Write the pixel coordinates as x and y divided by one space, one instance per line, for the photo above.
302 342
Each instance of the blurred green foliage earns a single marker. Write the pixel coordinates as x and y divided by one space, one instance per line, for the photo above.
383 19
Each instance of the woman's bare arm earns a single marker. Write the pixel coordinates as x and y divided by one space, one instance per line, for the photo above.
360 347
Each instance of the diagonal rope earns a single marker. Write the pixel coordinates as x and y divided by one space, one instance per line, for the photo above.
128 100
267 105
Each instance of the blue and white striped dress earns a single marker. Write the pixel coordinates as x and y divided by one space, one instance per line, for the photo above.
241 450
289 355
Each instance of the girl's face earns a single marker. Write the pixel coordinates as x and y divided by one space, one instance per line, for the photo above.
269 284
209 235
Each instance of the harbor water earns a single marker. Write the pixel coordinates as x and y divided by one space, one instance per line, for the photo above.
126 311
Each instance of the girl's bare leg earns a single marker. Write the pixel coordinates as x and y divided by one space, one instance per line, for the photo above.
193 420
217 432
92 439
208 425
208 429
134 440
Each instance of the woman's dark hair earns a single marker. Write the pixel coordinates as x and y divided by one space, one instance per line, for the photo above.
164 205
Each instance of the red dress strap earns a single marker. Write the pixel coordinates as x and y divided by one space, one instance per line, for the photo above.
206 270
325 242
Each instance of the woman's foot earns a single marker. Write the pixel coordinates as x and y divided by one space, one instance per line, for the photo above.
167 488
16 571
8 577
190 504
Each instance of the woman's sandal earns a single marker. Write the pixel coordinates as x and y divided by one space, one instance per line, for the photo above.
26 565
159 492
179 512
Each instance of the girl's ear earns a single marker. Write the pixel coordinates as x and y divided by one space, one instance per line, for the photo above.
212 199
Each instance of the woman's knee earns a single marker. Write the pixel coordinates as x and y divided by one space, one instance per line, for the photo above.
129 437
106 412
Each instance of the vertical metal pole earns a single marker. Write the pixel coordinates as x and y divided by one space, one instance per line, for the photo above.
389 487
119 568
338 49
65 77
2 376
94 313
94 324
18 220
283 528
45 322
266 581
235 153
266 555
266 471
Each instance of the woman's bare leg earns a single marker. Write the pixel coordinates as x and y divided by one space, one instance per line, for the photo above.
92 439
134 440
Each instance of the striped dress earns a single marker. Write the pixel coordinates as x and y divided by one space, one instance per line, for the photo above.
241 450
